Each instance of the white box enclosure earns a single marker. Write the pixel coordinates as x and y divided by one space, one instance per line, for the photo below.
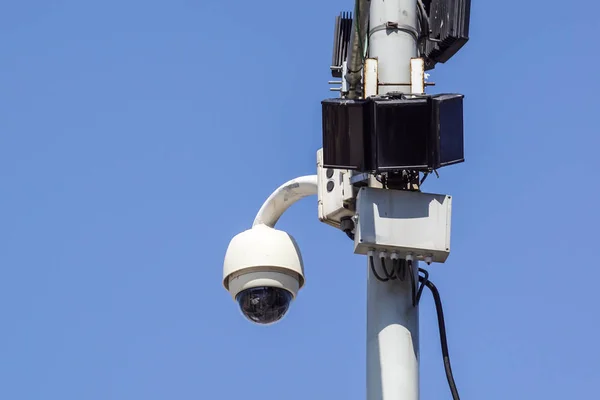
404 222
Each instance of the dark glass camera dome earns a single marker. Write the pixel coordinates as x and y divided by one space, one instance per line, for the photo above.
264 305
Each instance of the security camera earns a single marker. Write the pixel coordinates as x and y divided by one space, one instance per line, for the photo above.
263 272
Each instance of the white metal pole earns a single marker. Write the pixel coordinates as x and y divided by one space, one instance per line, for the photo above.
392 340
392 321
393 41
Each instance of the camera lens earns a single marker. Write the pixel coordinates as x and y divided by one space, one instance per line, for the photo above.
264 305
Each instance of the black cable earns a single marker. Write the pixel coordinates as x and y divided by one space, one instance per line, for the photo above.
387 273
377 276
424 26
413 285
443 339
424 21
400 269
423 279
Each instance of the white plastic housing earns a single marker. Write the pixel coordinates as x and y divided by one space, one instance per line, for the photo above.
263 256
409 223
333 204
370 79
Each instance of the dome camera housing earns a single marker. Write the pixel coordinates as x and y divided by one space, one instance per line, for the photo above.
263 272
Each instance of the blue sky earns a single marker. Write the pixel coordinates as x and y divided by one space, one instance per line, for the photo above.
137 137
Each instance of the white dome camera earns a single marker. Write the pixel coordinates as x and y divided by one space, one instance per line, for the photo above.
263 272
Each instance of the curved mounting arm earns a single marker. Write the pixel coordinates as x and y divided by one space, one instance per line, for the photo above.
283 197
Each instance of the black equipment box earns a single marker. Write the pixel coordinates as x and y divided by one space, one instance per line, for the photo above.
448 22
419 133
